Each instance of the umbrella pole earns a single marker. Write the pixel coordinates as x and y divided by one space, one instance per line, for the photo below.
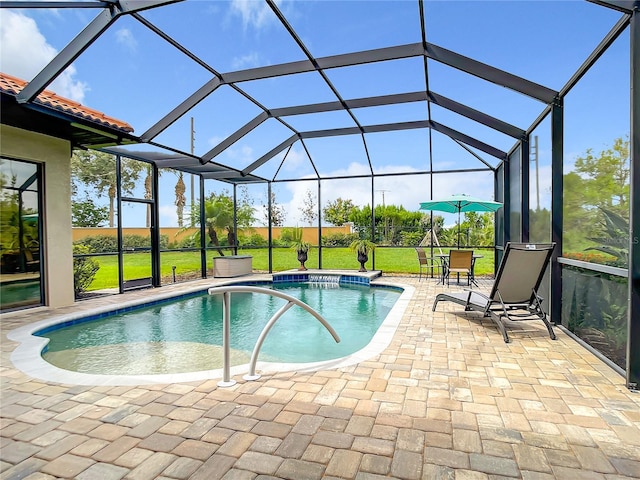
458 229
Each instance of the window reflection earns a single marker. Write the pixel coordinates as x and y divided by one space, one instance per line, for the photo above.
19 235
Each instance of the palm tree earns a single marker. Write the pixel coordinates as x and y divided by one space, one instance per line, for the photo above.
218 213
98 171
181 200
218 216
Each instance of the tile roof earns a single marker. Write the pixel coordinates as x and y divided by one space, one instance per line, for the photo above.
12 85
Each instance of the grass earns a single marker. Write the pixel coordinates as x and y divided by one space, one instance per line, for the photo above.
388 259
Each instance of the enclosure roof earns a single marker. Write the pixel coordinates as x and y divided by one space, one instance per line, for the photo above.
58 116
287 90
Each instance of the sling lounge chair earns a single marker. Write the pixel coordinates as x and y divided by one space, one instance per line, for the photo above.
514 295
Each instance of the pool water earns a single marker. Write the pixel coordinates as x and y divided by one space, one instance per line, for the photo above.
185 335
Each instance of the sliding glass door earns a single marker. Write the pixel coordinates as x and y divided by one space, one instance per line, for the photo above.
20 234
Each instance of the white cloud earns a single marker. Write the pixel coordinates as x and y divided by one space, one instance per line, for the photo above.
544 187
25 52
215 140
253 13
243 154
168 215
294 159
125 38
246 61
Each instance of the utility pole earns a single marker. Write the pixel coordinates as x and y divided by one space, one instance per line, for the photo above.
384 213
193 196
534 157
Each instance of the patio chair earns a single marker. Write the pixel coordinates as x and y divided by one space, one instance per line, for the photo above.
514 295
427 263
31 264
460 261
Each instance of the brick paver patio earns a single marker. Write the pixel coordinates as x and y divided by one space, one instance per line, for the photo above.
448 399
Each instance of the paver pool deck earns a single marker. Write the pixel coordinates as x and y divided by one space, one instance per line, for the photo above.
447 399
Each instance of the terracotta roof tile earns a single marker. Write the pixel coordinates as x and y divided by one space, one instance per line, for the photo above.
12 85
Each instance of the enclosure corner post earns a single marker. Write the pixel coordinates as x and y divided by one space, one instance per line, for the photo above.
633 313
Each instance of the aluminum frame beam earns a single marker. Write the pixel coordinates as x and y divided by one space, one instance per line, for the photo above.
434 52
81 42
272 153
394 99
442 55
624 6
190 102
26 4
449 132
454 134
480 117
491 74
235 136
600 49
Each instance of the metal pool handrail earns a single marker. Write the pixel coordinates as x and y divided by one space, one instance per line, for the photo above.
226 324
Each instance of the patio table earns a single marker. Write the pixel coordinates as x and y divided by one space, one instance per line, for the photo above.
444 258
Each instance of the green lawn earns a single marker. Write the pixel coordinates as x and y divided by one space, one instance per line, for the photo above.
389 260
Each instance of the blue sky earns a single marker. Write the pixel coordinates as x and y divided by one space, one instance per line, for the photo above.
133 75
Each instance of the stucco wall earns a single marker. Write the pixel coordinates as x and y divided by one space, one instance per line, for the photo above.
55 154
309 234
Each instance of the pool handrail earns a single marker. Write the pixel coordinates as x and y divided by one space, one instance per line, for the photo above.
226 291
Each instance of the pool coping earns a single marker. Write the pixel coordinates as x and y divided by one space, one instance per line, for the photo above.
34 365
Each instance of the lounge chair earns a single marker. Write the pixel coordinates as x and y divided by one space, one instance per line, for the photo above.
514 295
427 263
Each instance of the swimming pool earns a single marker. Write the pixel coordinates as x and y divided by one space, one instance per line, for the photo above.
168 339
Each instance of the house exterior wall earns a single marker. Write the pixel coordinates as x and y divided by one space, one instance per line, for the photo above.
57 251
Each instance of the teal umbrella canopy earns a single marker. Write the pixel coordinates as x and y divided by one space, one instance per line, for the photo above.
461 203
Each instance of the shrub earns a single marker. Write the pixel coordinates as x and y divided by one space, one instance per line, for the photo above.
84 270
287 235
339 239
109 243
411 238
253 240
591 257
192 241
99 244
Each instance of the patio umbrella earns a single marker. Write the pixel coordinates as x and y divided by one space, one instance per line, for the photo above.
461 203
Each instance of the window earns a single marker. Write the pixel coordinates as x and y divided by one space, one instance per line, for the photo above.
20 246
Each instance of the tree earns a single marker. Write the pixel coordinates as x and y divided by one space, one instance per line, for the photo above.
606 177
309 208
577 220
277 212
97 171
85 213
361 219
598 183
477 229
181 200
539 225
13 222
218 213
337 212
